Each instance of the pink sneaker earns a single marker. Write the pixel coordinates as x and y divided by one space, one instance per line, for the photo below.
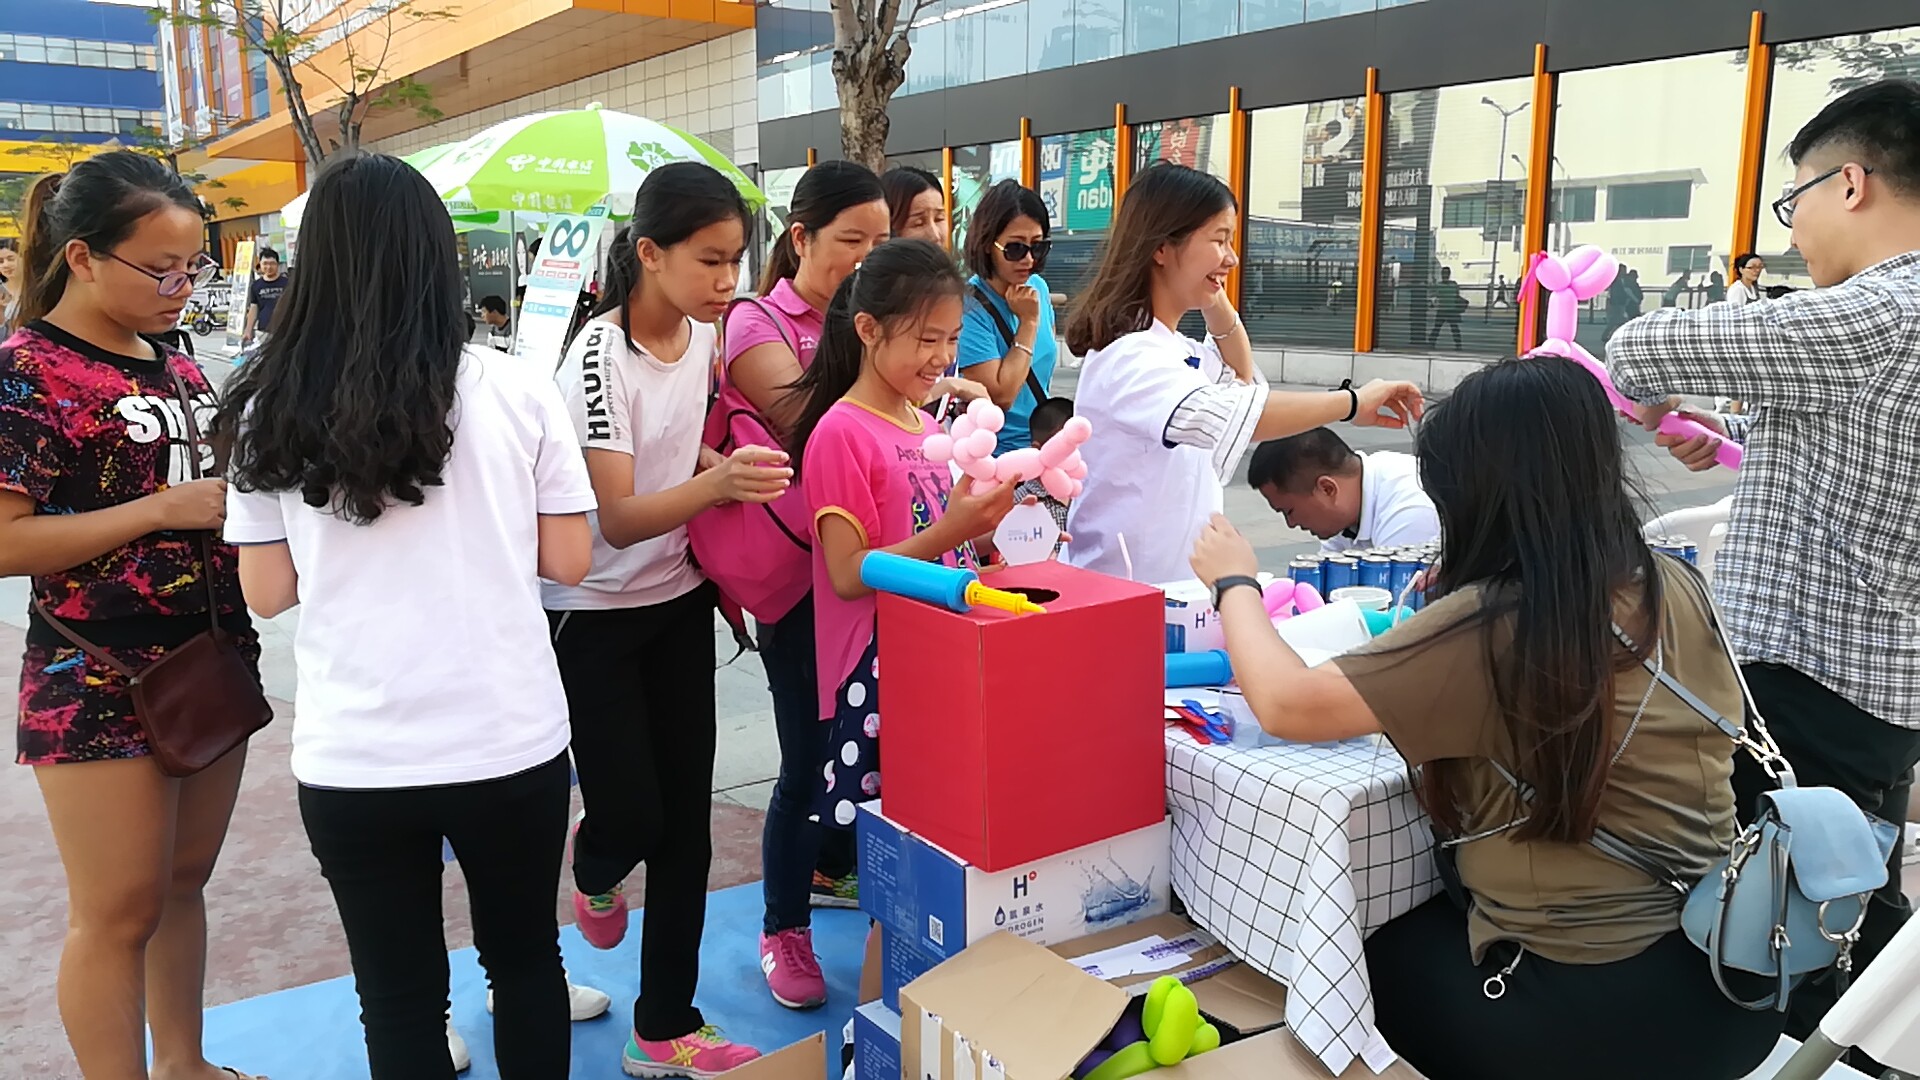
792 970
700 1056
602 918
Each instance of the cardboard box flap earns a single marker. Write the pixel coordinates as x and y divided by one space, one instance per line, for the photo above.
1034 1012
1277 1055
1230 992
804 1060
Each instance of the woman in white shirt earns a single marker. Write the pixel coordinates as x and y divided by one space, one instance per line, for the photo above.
1172 416
635 639
408 492
1746 279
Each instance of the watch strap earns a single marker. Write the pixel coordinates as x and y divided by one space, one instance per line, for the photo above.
1232 581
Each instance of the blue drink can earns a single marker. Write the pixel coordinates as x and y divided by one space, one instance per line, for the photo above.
1419 598
1339 572
1406 565
1376 571
1306 570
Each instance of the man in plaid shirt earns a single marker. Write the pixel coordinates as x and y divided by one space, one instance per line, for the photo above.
1820 576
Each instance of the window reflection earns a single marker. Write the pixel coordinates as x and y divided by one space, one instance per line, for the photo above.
1654 187
1201 142
1076 183
1049 34
1152 24
1806 76
1454 193
1303 224
1096 29
975 169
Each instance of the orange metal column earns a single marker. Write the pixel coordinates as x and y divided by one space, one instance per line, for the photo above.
1122 154
1533 229
1753 139
813 157
946 188
1237 157
1372 175
1029 156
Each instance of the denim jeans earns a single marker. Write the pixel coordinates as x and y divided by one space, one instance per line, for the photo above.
790 843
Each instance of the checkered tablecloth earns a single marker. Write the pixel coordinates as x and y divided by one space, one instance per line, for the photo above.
1291 855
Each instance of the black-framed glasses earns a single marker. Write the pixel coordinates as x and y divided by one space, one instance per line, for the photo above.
200 270
1018 250
1783 206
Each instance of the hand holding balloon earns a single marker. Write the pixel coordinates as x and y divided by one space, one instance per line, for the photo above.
1579 275
971 443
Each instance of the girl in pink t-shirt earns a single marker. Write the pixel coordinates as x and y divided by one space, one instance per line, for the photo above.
890 334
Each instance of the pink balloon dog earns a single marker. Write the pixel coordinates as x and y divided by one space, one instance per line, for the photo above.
1286 598
1582 274
1057 465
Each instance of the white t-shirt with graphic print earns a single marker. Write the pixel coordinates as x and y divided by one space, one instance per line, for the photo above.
626 400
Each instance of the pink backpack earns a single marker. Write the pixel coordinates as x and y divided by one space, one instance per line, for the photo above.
759 554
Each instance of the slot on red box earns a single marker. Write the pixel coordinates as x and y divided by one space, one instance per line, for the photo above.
1012 738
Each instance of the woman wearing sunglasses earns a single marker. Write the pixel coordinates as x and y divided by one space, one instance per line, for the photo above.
101 504
1007 341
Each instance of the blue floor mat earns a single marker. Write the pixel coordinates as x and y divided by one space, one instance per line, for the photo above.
313 1032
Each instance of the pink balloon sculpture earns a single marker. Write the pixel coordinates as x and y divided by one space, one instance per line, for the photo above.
1582 274
1286 598
971 443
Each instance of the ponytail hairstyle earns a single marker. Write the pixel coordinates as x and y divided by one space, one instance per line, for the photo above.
895 285
1164 205
350 401
674 202
98 202
824 192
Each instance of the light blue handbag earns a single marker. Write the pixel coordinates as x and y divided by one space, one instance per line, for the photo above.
1788 899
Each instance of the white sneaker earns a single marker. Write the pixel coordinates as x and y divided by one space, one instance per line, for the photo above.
457 1049
583 1002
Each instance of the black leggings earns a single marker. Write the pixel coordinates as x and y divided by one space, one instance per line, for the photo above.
641 697
1655 1016
380 852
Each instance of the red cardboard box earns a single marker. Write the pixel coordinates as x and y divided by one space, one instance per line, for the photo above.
1009 738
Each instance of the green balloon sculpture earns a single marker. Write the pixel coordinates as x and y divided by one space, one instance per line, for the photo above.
1175 1032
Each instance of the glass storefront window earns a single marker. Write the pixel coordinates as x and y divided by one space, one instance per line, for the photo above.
1049 34
975 169
1152 24
1455 185
1004 37
1201 142
1303 224
1806 76
1076 183
1652 188
1097 26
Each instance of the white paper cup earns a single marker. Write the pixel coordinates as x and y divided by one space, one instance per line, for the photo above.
1368 597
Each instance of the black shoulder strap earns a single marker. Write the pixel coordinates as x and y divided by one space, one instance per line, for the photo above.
1006 337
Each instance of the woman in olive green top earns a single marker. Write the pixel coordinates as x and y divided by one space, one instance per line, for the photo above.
1567 964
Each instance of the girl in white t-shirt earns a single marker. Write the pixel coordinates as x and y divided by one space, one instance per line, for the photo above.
1172 416
409 492
636 638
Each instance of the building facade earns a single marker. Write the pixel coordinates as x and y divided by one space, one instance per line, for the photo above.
75 78
1395 162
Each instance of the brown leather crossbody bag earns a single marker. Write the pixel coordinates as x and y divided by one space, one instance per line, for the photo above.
201 700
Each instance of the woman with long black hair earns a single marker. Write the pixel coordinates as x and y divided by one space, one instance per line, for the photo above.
102 505
395 482
1537 657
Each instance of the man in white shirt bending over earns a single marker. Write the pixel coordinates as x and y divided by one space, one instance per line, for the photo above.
1346 499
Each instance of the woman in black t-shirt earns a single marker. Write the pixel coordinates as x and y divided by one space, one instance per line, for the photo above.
100 506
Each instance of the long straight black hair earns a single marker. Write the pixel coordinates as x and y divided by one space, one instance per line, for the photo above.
1524 464
349 401
674 202
895 284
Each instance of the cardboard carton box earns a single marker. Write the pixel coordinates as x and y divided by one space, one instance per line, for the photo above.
901 963
804 1060
1006 1008
876 1042
942 904
1235 997
1045 732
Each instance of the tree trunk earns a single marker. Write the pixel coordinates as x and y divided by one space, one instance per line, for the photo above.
864 124
869 64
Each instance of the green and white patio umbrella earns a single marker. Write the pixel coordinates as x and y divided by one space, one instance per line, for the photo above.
568 161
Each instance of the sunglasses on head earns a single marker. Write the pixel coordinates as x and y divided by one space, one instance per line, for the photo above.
1018 250
200 270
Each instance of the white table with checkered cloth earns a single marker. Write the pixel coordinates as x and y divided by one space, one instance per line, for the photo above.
1291 855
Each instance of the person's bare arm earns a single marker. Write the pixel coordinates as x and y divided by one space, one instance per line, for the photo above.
1229 334
566 548
970 514
1292 412
1005 377
763 373
38 544
268 578
246 333
751 474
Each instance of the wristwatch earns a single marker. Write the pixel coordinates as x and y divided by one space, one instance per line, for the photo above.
1232 581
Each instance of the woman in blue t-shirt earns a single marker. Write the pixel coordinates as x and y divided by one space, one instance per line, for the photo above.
1007 341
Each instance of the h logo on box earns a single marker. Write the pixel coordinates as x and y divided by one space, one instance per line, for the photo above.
1020 883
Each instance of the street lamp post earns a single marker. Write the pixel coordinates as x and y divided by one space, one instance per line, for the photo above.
1506 116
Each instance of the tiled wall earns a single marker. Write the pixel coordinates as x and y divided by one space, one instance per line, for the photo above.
705 90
